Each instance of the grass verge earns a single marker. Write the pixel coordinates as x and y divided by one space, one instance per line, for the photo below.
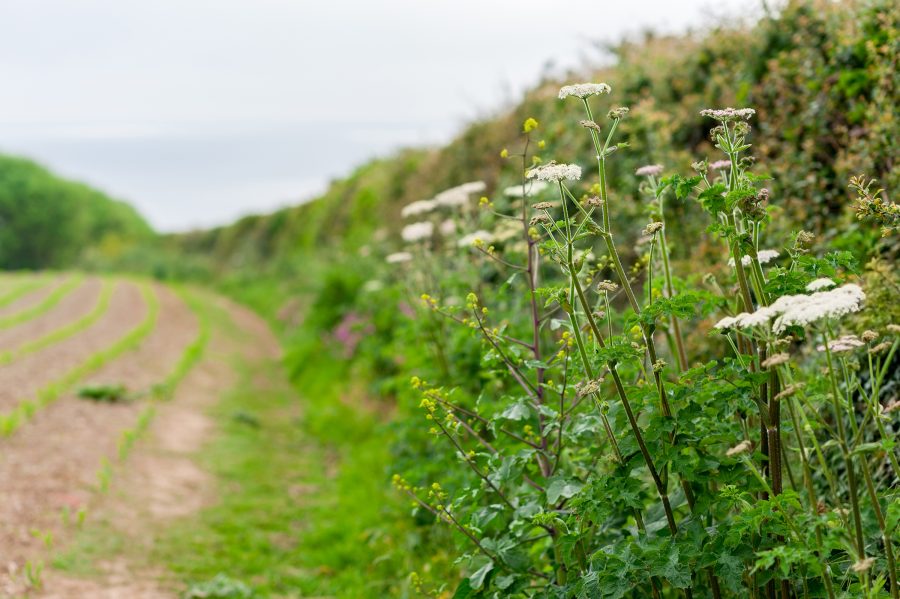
303 493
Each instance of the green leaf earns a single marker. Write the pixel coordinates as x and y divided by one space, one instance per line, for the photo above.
735 196
562 487
477 577
517 411
536 364
712 199
504 582
866 447
464 590
672 569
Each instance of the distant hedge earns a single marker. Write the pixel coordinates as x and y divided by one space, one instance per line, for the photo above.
50 222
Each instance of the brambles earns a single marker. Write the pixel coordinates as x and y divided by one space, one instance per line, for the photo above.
596 449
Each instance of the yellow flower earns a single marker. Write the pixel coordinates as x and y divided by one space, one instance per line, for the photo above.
530 125
504 153
542 144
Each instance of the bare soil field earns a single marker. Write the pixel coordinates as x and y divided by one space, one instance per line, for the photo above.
129 462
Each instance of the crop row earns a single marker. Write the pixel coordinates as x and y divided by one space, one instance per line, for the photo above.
25 410
65 331
166 389
21 288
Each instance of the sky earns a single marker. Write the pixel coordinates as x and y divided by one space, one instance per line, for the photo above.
200 111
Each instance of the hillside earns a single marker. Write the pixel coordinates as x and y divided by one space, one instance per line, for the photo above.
822 76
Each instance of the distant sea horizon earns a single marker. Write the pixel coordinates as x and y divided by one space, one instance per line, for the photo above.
202 175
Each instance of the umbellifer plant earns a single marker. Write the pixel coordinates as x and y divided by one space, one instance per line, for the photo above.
602 459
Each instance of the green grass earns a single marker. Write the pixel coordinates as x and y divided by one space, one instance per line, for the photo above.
45 305
23 412
65 331
303 490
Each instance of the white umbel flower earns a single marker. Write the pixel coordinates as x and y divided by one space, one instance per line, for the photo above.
798 310
728 114
473 186
842 344
398 257
726 323
447 227
417 231
747 320
418 208
555 172
476 238
649 170
459 195
820 284
583 90
452 198
531 188
764 257
801 310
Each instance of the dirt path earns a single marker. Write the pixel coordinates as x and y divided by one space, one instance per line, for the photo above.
23 378
53 462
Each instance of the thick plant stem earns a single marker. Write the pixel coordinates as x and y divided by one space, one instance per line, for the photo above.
531 272
845 452
645 453
681 353
632 420
670 292
590 372
813 500
651 349
879 516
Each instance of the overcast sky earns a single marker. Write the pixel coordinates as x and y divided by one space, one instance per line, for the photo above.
200 111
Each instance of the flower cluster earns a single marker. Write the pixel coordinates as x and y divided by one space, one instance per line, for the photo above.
555 172
724 115
764 257
583 90
418 208
530 188
842 344
477 239
398 257
799 310
820 284
417 231
459 195
649 170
